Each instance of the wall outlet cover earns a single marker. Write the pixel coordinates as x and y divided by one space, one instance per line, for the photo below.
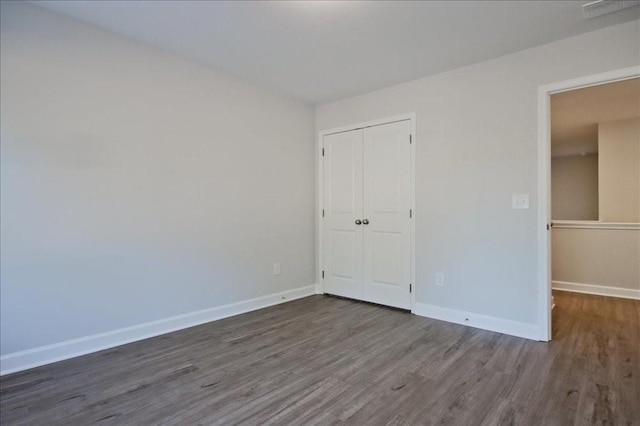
520 201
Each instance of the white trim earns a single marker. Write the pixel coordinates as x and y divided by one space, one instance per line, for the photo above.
412 190
544 214
320 201
600 290
371 123
588 224
412 203
592 80
43 355
485 322
544 181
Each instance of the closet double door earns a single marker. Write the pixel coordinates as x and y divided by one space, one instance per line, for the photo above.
367 218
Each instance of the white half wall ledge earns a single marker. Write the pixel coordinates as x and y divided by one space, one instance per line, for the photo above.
589 224
36 357
598 290
485 322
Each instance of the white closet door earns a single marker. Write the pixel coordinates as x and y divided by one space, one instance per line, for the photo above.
343 206
386 198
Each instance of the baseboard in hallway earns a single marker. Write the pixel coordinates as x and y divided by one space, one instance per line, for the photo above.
599 290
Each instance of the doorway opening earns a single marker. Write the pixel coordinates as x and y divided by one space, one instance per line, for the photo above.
589 168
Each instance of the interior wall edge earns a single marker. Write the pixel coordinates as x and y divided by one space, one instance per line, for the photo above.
36 357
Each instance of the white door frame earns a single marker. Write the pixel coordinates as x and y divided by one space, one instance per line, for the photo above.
412 192
544 180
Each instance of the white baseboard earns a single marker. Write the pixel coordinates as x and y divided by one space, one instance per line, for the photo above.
485 322
36 357
600 290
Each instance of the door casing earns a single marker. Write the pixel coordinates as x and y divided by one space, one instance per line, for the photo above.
411 117
544 180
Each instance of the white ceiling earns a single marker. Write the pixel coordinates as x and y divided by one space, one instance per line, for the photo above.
319 51
575 115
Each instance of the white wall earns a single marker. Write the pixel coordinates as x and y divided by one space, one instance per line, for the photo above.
137 186
476 146
600 257
619 176
574 187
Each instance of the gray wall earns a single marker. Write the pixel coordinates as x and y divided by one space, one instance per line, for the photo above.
600 257
137 186
619 164
476 146
574 187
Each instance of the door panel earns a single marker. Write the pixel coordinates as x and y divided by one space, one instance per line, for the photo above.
343 254
386 202
385 168
386 264
342 156
343 205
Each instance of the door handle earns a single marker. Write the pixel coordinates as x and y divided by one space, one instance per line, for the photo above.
365 221
358 222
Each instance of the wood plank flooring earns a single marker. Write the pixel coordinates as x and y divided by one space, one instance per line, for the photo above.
325 360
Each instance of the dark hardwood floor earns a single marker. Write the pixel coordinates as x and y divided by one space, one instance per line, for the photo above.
324 360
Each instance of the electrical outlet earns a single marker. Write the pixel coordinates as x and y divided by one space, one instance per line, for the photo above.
440 279
520 201
276 268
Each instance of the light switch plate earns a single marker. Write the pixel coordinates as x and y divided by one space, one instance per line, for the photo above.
520 201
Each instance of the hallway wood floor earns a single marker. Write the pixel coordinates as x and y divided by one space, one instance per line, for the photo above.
325 360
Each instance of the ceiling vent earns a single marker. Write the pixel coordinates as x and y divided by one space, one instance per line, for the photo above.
602 7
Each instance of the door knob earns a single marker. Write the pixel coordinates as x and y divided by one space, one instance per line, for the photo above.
365 221
358 222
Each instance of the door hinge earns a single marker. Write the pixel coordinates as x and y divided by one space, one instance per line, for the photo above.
410 287
410 213
323 275
549 225
323 152
322 212
410 138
